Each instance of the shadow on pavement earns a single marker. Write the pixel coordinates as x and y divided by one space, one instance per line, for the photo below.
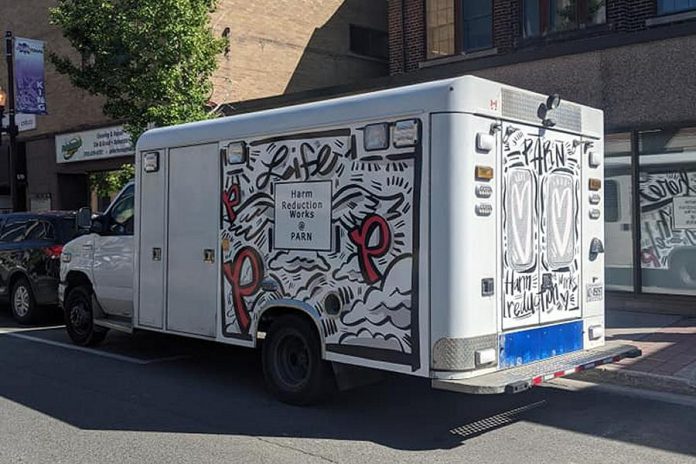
220 390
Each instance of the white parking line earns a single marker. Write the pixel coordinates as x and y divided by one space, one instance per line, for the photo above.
104 354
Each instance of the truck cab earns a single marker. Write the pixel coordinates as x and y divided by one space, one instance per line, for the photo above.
102 261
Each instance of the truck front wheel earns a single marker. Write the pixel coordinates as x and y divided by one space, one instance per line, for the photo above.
292 365
78 318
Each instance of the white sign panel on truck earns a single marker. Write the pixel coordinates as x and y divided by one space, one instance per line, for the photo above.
303 215
107 142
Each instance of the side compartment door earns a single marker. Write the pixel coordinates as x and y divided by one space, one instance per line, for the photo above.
541 226
192 249
151 257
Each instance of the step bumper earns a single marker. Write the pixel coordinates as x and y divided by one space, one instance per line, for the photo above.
518 379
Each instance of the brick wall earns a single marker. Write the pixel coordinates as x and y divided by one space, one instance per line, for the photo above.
622 16
630 15
506 24
276 46
280 46
411 14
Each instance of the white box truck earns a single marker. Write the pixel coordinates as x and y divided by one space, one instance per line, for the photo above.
450 230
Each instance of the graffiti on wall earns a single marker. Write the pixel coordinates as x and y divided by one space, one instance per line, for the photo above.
313 215
541 273
662 204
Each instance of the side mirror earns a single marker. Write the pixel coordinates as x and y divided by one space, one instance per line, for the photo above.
98 225
84 219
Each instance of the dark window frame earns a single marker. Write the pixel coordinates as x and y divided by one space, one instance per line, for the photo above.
545 13
459 46
371 47
661 11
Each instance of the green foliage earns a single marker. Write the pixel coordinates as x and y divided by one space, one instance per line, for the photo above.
109 182
568 14
151 59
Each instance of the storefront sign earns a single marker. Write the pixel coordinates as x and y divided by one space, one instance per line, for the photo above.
684 212
109 142
303 215
24 122
30 94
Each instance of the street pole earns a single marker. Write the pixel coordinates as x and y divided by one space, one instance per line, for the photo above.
12 129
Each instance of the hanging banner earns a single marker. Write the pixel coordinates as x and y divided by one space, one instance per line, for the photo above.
107 142
30 92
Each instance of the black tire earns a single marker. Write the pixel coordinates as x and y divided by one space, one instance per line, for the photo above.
22 302
77 309
292 364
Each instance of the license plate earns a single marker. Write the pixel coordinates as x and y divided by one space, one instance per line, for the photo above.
595 292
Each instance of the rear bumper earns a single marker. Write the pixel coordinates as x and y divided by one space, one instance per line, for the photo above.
522 378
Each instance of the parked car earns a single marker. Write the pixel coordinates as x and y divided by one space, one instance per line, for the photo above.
30 248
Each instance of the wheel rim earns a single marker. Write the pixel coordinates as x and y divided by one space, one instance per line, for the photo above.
79 317
21 301
293 363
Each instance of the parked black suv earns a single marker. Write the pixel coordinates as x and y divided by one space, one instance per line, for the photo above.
30 247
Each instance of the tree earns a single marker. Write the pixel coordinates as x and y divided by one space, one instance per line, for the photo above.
108 182
150 59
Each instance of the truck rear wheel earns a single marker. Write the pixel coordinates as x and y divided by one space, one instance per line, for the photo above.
292 365
78 318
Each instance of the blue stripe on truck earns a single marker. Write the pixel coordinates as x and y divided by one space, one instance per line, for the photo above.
518 348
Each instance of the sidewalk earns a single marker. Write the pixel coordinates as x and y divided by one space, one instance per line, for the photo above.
668 343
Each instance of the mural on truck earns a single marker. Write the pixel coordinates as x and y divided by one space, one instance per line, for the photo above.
318 220
668 216
541 246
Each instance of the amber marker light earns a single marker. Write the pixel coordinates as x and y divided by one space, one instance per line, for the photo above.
484 173
595 184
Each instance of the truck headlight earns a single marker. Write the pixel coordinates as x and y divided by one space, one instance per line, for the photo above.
66 257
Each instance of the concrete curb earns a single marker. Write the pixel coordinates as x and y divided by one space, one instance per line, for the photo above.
635 379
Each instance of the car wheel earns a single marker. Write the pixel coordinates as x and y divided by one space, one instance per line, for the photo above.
78 318
293 368
22 303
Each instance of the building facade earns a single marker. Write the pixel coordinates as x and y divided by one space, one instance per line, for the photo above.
634 59
275 47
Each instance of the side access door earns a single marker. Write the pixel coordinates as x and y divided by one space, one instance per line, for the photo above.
179 224
541 226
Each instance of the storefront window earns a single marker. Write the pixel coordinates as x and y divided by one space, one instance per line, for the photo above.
547 16
618 212
668 211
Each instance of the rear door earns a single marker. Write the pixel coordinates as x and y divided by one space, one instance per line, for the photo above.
540 226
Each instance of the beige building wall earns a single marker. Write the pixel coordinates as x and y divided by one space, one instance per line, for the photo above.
285 46
276 46
69 108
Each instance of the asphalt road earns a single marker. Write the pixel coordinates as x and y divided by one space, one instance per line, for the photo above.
151 399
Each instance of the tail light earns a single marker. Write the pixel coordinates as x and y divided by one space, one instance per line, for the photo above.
53 251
